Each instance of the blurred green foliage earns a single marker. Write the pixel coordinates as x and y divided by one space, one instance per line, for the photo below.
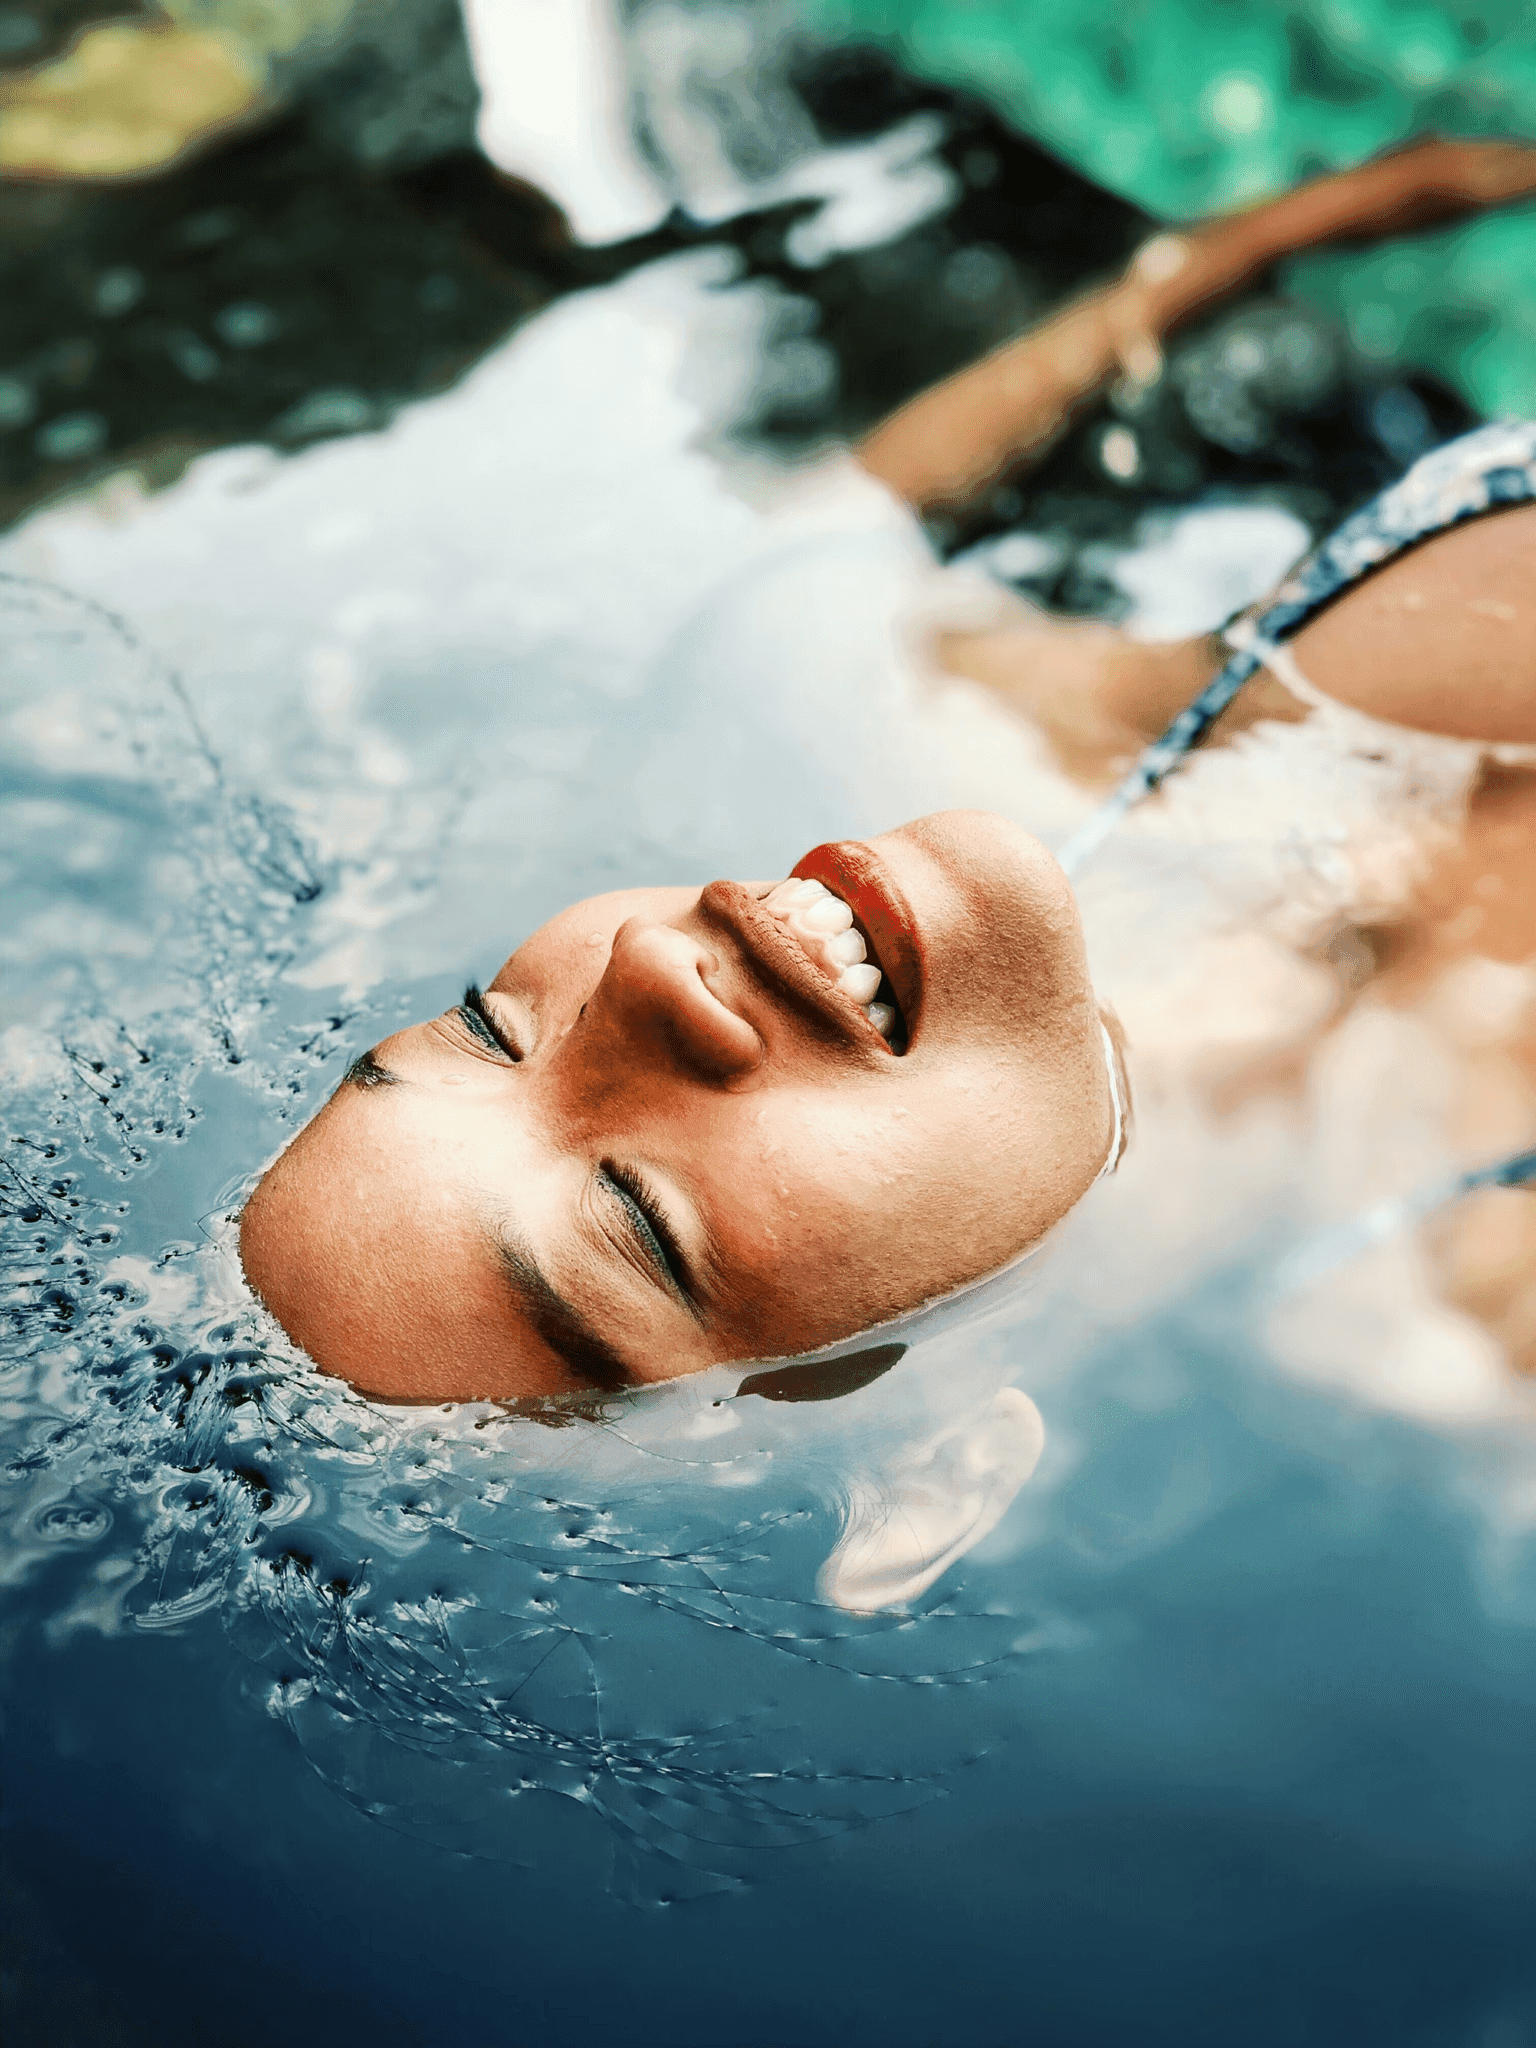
1190 106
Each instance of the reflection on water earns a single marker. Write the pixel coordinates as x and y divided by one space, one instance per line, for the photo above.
1132 1619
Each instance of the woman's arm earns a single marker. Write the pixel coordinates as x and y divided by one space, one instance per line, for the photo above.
951 443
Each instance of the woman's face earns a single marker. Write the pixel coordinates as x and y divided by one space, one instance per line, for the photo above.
672 1137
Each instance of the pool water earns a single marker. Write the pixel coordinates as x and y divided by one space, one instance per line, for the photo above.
350 1724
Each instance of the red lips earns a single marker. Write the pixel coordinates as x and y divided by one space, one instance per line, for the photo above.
780 960
849 869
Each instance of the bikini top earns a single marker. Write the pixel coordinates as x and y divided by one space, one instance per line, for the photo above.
1493 467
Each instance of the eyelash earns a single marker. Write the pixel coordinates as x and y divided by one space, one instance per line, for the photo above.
480 1023
637 1195
628 1185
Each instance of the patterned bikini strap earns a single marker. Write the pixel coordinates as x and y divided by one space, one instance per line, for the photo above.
1492 467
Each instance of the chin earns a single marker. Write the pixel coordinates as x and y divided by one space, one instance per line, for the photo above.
991 849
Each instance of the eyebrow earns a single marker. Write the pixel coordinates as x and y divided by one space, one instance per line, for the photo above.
560 1323
368 1071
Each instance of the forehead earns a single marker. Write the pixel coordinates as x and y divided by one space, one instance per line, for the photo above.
378 1273
376 1167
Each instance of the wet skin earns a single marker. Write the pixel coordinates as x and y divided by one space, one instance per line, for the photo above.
691 1146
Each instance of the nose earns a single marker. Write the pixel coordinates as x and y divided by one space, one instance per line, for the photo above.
668 993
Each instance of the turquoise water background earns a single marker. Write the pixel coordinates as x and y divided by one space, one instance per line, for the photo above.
1191 106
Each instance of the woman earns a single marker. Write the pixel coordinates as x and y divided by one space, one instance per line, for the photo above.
681 1127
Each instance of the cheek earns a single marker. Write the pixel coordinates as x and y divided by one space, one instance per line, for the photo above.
952 1160
818 1217
794 1165
1021 1146
976 1143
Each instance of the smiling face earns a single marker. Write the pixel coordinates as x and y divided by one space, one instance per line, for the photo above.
682 1127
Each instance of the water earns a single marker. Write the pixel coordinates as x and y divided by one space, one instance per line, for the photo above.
362 1724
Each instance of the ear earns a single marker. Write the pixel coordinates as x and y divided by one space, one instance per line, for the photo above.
909 1524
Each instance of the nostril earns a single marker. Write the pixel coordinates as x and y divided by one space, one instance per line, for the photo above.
676 989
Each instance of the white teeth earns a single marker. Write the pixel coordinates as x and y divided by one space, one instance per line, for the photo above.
830 914
787 895
823 925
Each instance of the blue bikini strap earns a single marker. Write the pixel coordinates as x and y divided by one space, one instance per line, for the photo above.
1492 467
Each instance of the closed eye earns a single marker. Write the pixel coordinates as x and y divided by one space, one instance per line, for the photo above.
481 1022
652 1231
